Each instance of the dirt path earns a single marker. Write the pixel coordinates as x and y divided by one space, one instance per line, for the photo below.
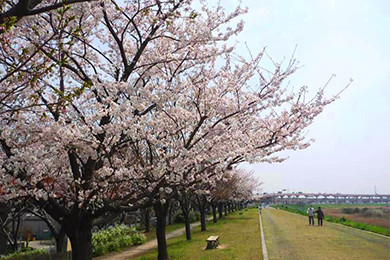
288 236
136 250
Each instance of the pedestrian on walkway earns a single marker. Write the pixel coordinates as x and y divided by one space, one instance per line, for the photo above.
310 212
320 215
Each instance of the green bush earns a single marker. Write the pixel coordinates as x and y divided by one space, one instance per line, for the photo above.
356 210
179 217
378 213
343 219
114 239
349 210
30 254
138 238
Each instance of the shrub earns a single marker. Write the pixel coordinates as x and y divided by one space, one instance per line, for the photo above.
114 239
375 213
179 217
138 239
356 210
348 210
30 254
343 219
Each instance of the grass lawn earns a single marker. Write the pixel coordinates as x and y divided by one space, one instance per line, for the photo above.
239 239
288 236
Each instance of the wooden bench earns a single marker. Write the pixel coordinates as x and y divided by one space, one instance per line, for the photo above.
212 242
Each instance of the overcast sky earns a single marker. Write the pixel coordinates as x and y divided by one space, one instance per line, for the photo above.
352 40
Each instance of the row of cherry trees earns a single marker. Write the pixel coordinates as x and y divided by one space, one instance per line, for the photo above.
230 194
108 107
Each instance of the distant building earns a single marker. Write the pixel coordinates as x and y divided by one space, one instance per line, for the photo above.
34 227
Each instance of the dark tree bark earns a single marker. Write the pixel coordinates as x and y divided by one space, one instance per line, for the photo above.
170 214
225 208
161 211
3 245
187 225
27 7
147 219
201 202
214 208
61 241
81 238
220 206
203 220
185 202
3 239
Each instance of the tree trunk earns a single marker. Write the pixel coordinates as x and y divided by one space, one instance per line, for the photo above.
225 208
187 225
3 239
61 241
185 205
214 207
203 220
147 220
220 205
201 203
170 213
3 245
161 211
81 237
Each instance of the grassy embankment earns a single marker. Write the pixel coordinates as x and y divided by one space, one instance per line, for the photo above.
342 220
239 239
289 236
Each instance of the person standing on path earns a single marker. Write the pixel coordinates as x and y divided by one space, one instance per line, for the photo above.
310 212
320 215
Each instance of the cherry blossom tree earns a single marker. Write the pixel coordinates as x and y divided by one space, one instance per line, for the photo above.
12 11
185 200
11 215
111 106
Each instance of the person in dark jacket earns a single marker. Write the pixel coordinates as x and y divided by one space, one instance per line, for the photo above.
320 215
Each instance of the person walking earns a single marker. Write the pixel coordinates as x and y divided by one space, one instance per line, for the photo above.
320 215
310 212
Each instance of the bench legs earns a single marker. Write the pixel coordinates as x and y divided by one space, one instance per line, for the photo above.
212 244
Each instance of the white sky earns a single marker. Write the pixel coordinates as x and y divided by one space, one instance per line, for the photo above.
352 40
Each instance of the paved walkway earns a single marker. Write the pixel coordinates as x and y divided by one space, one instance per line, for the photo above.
289 236
137 250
